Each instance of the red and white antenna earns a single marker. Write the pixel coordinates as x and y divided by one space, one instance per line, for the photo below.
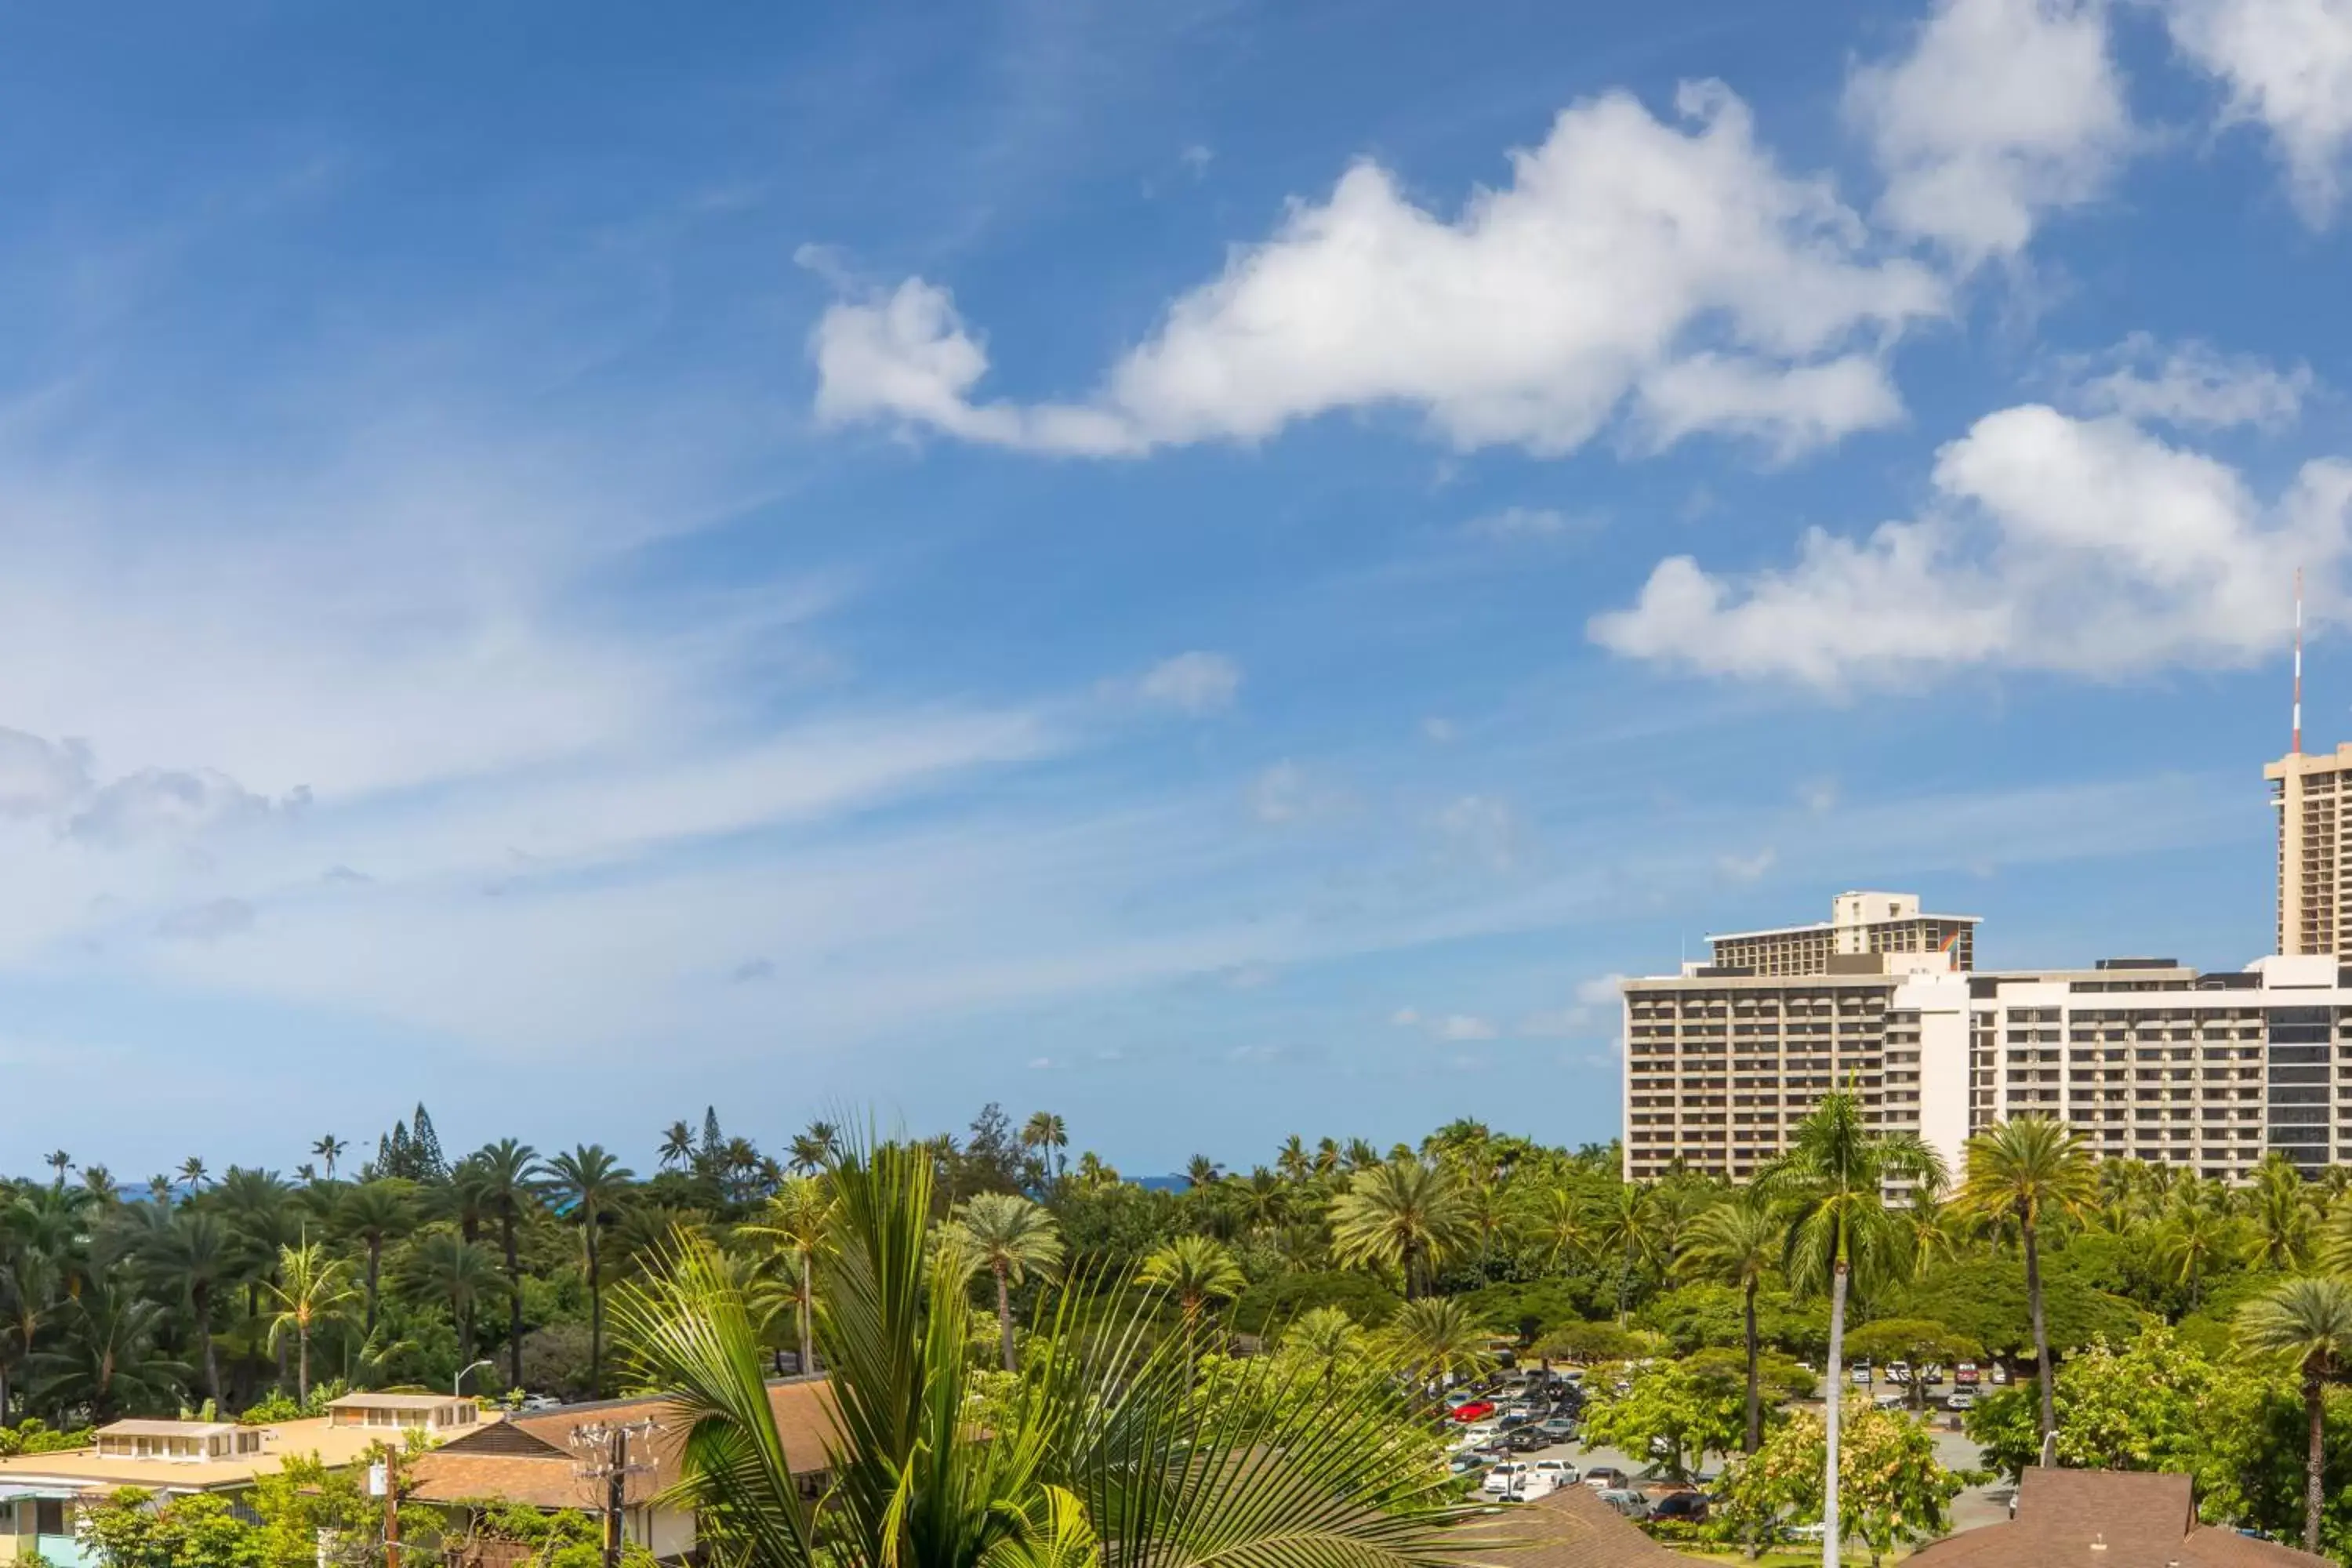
2296 747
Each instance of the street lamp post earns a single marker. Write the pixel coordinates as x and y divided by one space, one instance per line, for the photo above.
458 1384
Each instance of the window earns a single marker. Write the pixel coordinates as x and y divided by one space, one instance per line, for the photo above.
49 1516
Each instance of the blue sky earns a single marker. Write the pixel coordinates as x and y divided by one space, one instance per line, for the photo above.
1214 568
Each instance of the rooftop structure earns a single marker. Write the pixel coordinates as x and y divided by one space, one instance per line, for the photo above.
1860 924
428 1412
2113 1519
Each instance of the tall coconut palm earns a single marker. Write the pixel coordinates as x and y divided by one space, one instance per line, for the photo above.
60 1161
678 1147
2309 1323
444 1266
503 1177
1625 1225
105 1358
2189 1242
1292 1162
1737 1244
585 1186
193 1254
1103 1453
2280 1204
1012 1238
1195 1270
312 1290
1554 1220
1435 1340
330 1149
191 1170
1830 1189
375 1214
798 1220
1403 1214
2025 1169
1050 1135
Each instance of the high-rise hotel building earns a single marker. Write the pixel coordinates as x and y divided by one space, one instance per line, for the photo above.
2151 1059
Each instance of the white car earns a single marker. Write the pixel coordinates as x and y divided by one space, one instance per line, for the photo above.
1507 1479
1480 1433
1562 1473
1959 1399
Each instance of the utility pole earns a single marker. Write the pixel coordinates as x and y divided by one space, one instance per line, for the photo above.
606 1462
390 1472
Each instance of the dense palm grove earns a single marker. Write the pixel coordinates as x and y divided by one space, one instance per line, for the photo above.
2190 1326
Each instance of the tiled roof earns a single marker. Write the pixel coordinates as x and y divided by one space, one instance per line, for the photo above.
2107 1519
1572 1528
494 1464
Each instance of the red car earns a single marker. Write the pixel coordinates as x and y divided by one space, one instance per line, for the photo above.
1476 1410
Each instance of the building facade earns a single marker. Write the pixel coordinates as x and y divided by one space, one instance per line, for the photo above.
2315 862
2150 1059
1860 923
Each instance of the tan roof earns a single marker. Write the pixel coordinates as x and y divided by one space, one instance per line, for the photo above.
334 1446
137 1429
528 1458
394 1401
1572 1528
2107 1519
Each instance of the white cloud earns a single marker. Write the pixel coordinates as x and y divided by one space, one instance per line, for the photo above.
1675 265
1405 1017
41 778
57 782
1484 829
1748 867
2288 67
2086 546
1463 1026
1520 522
1601 990
1194 683
1819 796
1439 731
1279 794
2003 112
2190 384
207 921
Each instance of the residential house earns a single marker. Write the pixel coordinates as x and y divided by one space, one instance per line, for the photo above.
531 1461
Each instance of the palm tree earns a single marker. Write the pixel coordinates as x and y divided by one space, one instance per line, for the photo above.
1625 1223
1436 1340
2281 1204
2309 1323
1012 1238
311 1289
677 1146
1326 1338
191 1170
1736 1244
1293 1162
1047 1133
330 1149
586 1184
2190 1241
1195 1270
2019 1170
798 1220
377 1212
1401 1214
812 1150
1096 1457
1554 1220
60 1161
446 1267
1830 1185
1200 1171
503 1179
193 1254
106 1357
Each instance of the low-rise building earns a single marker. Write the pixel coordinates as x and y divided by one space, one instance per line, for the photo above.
535 1461
2106 1519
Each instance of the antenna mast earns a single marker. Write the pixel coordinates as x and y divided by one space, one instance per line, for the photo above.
2296 747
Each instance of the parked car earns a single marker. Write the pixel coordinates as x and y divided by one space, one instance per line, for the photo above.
2000 1374
1504 1478
1466 1464
1457 1398
1560 1470
1630 1503
1966 1375
1933 1376
542 1402
1475 1410
1559 1428
1600 1477
1888 1401
1484 1432
1527 1439
1690 1506
1862 1373
1898 1372
1959 1399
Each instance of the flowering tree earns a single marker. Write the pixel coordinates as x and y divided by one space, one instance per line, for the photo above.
1891 1490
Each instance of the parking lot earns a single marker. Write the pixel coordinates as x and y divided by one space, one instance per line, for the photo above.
1986 1503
